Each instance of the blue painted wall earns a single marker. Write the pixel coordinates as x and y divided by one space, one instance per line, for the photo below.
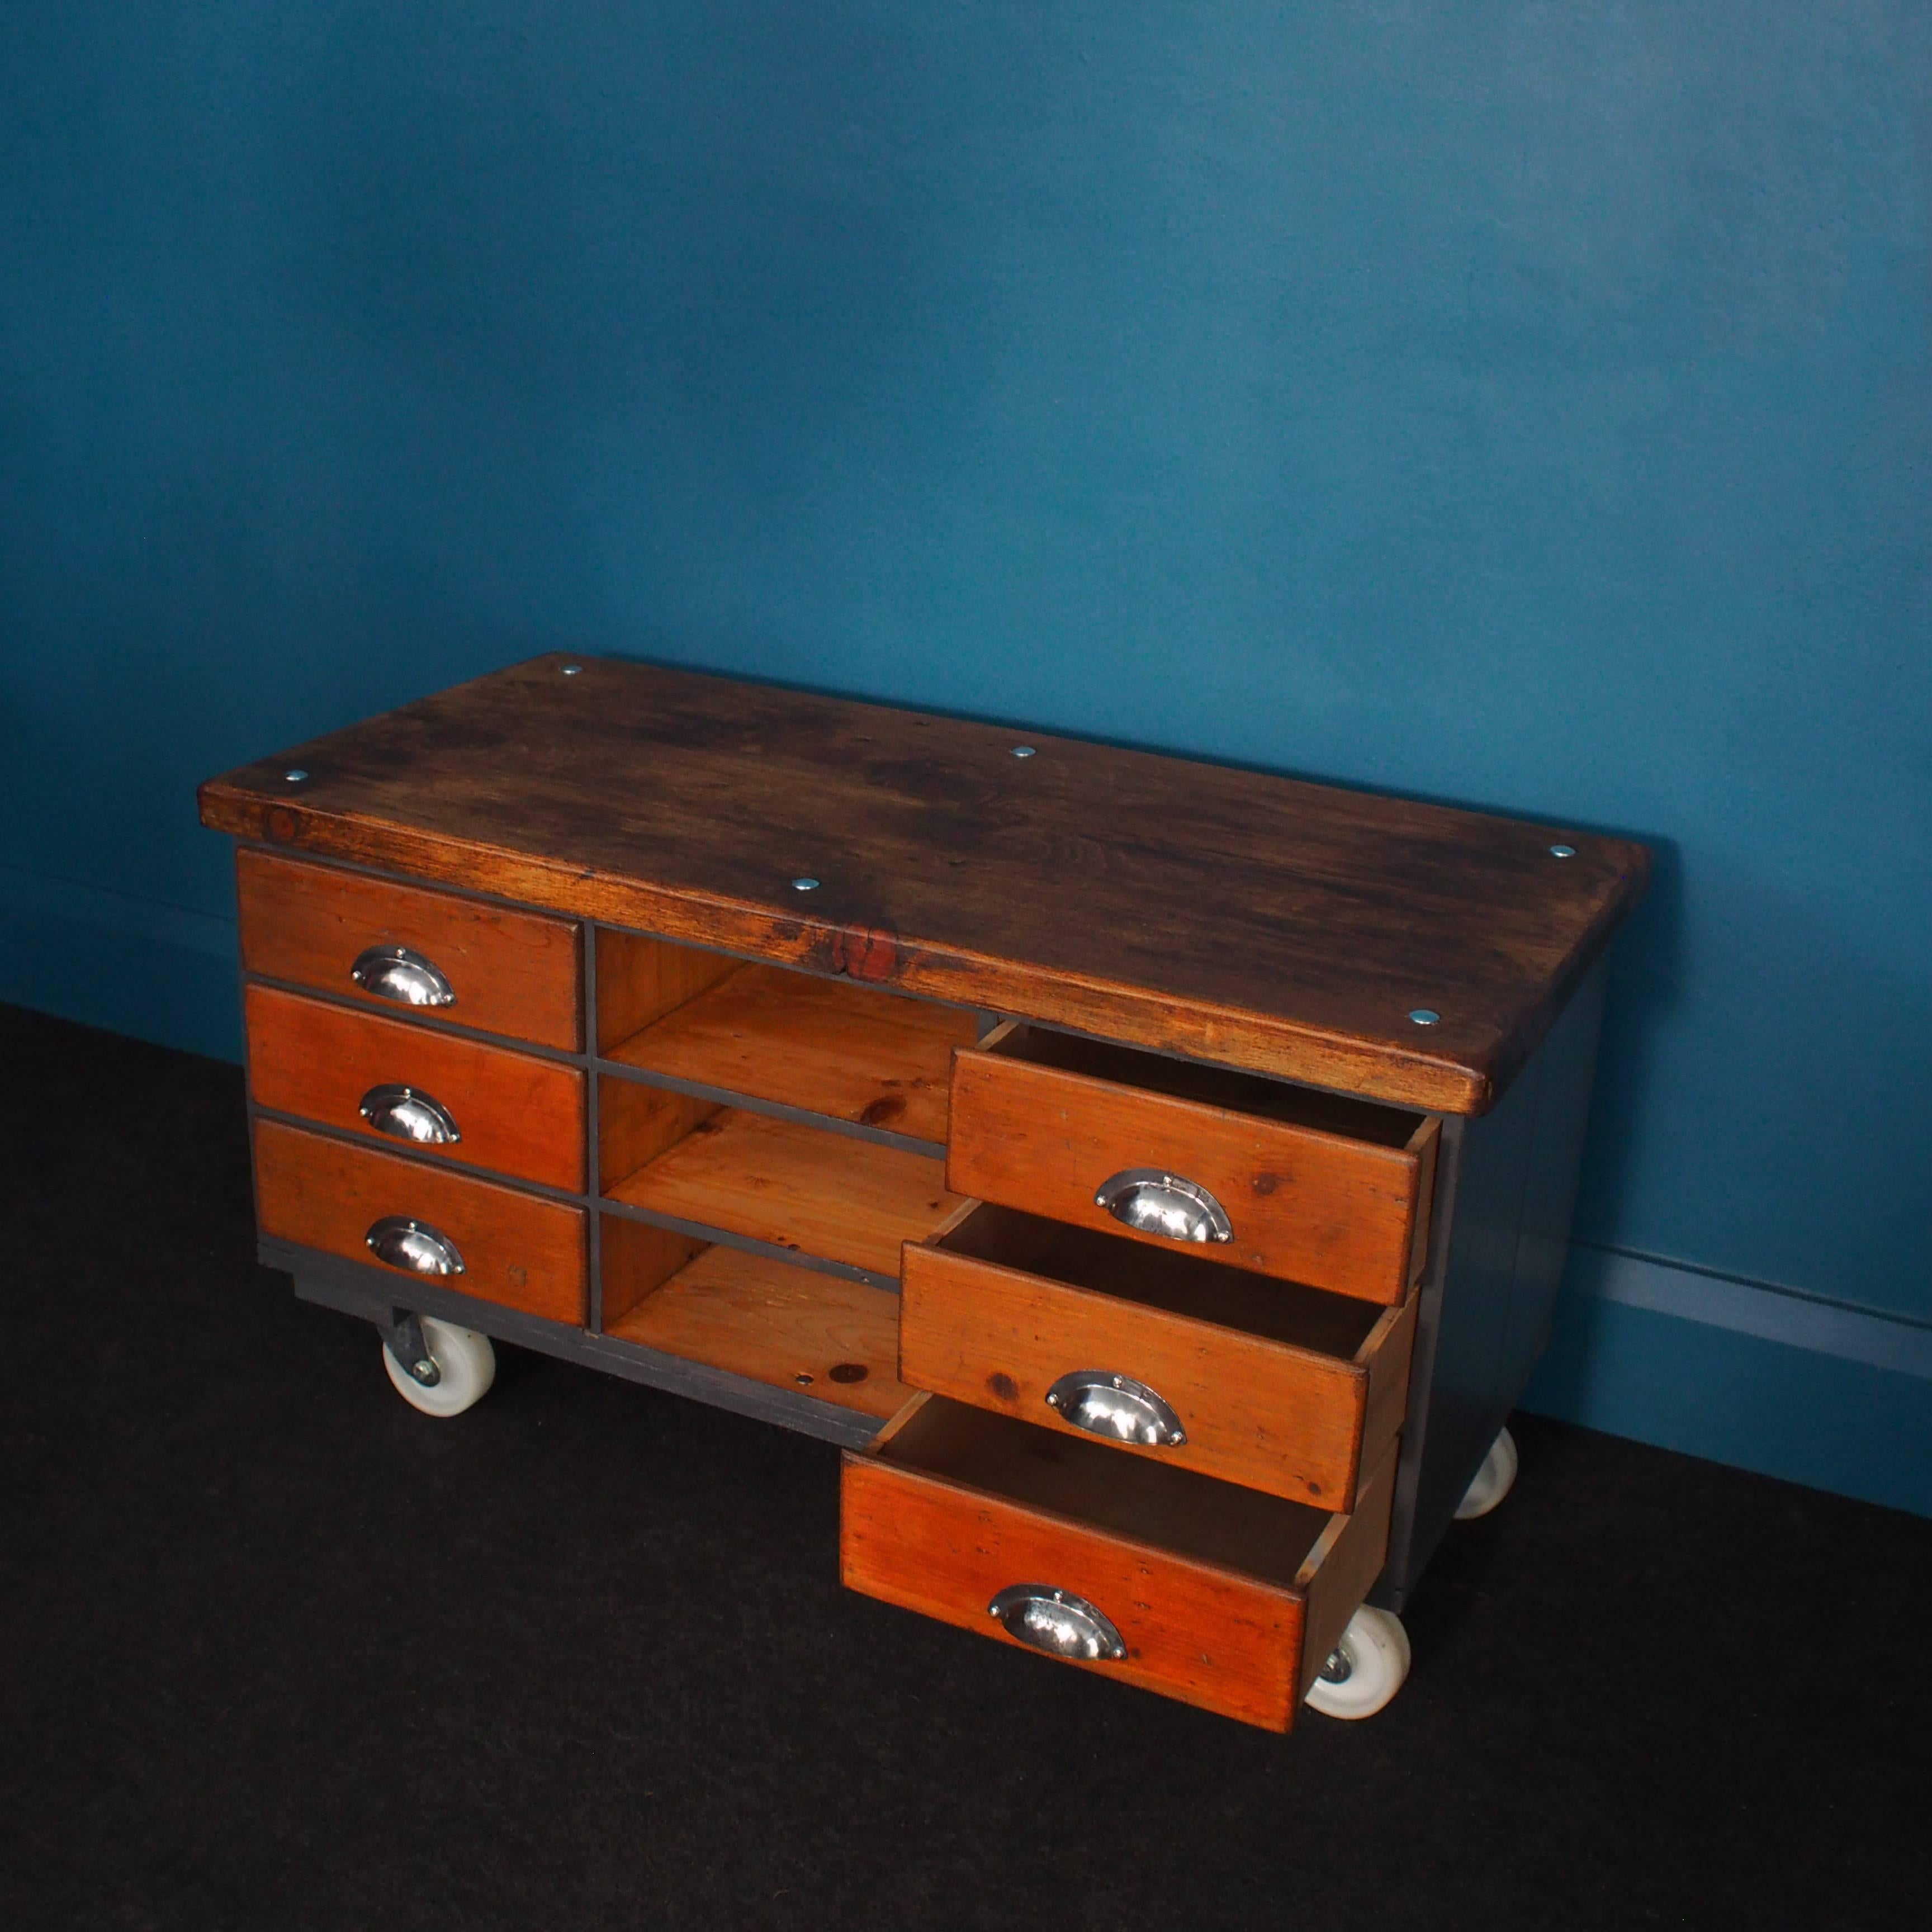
1527 405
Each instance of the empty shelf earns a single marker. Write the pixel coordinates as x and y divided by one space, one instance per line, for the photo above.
792 1327
825 1046
796 1186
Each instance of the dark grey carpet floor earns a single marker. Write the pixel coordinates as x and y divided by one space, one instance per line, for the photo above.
276 1651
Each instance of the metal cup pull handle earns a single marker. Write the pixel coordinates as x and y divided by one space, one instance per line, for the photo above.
1057 1622
408 1114
1104 1404
1155 1202
395 972
414 1247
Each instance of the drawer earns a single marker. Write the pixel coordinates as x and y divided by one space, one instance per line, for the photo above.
1218 1595
1310 1186
516 1249
497 970
508 1112
1268 1383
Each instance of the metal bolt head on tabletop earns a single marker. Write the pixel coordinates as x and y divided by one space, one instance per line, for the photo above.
294 777
1563 851
572 670
805 885
1023 751
1425 1016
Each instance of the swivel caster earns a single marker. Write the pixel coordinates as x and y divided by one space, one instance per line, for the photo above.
1365 1669
437 1367
1492 1481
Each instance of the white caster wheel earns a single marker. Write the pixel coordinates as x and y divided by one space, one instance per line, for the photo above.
1493 1481
1365 1669
465 1364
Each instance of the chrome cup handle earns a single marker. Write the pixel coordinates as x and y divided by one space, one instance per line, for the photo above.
1057 1622
408 1114
1117 1406
395 972
414 1247
1155 1202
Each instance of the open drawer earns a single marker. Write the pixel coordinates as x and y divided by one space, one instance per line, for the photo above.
1281 1387
1283 1180
1217 1595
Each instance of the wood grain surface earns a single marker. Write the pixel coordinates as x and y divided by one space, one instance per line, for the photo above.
1305 1204
518 1249
516 1114
1200 1578
1263 1401
513 973
792 1327
635 1123
1264 922
635 1258
640 980
800 1187
825 1046
1338 1573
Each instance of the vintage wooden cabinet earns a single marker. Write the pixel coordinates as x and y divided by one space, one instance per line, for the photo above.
1157 1175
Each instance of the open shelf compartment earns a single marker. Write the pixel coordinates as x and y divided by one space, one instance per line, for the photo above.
856 1054
795 1328
780 1182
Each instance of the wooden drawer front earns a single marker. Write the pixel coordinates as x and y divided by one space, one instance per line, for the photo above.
512 973
513 1112
1281 1387
1304 1202
516 1248
1221 1597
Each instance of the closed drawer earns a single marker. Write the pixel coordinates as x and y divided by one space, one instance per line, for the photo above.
456 1098
1308 1186
1280 1388
1218 1595
497 970
515 1249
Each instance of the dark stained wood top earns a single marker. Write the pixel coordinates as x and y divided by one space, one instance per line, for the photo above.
1262 922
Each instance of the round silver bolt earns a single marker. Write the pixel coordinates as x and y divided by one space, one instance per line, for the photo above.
1023 751
423 1370
1563 851
805 885
296 776
1425 1016
572 670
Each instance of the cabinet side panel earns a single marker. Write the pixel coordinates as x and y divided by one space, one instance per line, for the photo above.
1569 1063
1486 1302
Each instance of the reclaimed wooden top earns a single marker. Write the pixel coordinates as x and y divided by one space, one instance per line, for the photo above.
1265 922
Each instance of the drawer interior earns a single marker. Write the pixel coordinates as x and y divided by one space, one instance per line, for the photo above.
789 1327
1168 1279
786 1183
1171 1508
830 1046
1208 1086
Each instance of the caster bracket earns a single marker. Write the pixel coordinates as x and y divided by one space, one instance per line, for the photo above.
402 1335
